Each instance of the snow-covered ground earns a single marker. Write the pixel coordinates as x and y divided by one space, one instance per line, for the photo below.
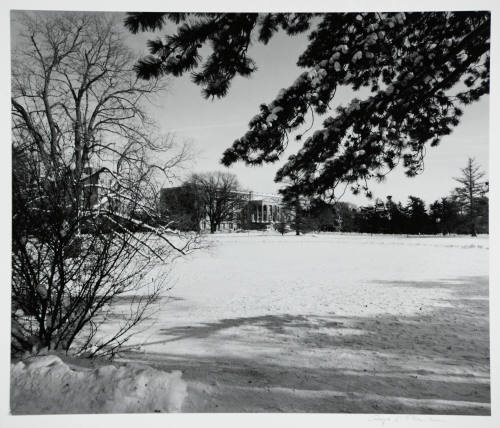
326 323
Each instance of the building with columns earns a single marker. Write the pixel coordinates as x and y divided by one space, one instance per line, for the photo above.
264 208
256 211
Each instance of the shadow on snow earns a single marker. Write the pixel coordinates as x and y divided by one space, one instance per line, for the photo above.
434 362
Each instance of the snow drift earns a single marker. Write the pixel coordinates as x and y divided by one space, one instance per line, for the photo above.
49 385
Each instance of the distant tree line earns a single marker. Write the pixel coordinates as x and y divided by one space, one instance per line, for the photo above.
444 216
464 211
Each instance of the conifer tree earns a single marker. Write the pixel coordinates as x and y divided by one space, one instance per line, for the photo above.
417 215
445 215
420 68
472 189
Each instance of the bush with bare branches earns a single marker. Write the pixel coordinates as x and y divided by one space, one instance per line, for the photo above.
86 228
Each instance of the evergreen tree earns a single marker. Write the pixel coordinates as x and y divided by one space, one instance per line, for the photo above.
281 226
181 207
399 219
297 215
472 189
373 218
418 220
346 216
396 216
321 216
445 216
482 205
413 63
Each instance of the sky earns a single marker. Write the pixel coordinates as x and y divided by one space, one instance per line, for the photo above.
211 126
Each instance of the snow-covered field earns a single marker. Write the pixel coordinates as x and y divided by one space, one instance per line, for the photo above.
326 323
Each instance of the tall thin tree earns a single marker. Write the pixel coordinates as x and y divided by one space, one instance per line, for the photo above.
471 190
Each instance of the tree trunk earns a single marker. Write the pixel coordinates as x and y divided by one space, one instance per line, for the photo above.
472 227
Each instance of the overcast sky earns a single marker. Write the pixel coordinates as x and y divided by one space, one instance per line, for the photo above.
212 126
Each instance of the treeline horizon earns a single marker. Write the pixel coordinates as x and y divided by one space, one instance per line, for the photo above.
464 211
413 217
216 198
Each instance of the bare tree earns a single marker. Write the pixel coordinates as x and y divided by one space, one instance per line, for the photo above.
85 185
471 190
218 195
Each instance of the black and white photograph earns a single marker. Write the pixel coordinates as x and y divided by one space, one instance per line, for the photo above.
249 211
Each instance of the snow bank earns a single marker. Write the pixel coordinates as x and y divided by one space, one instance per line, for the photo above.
49 385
